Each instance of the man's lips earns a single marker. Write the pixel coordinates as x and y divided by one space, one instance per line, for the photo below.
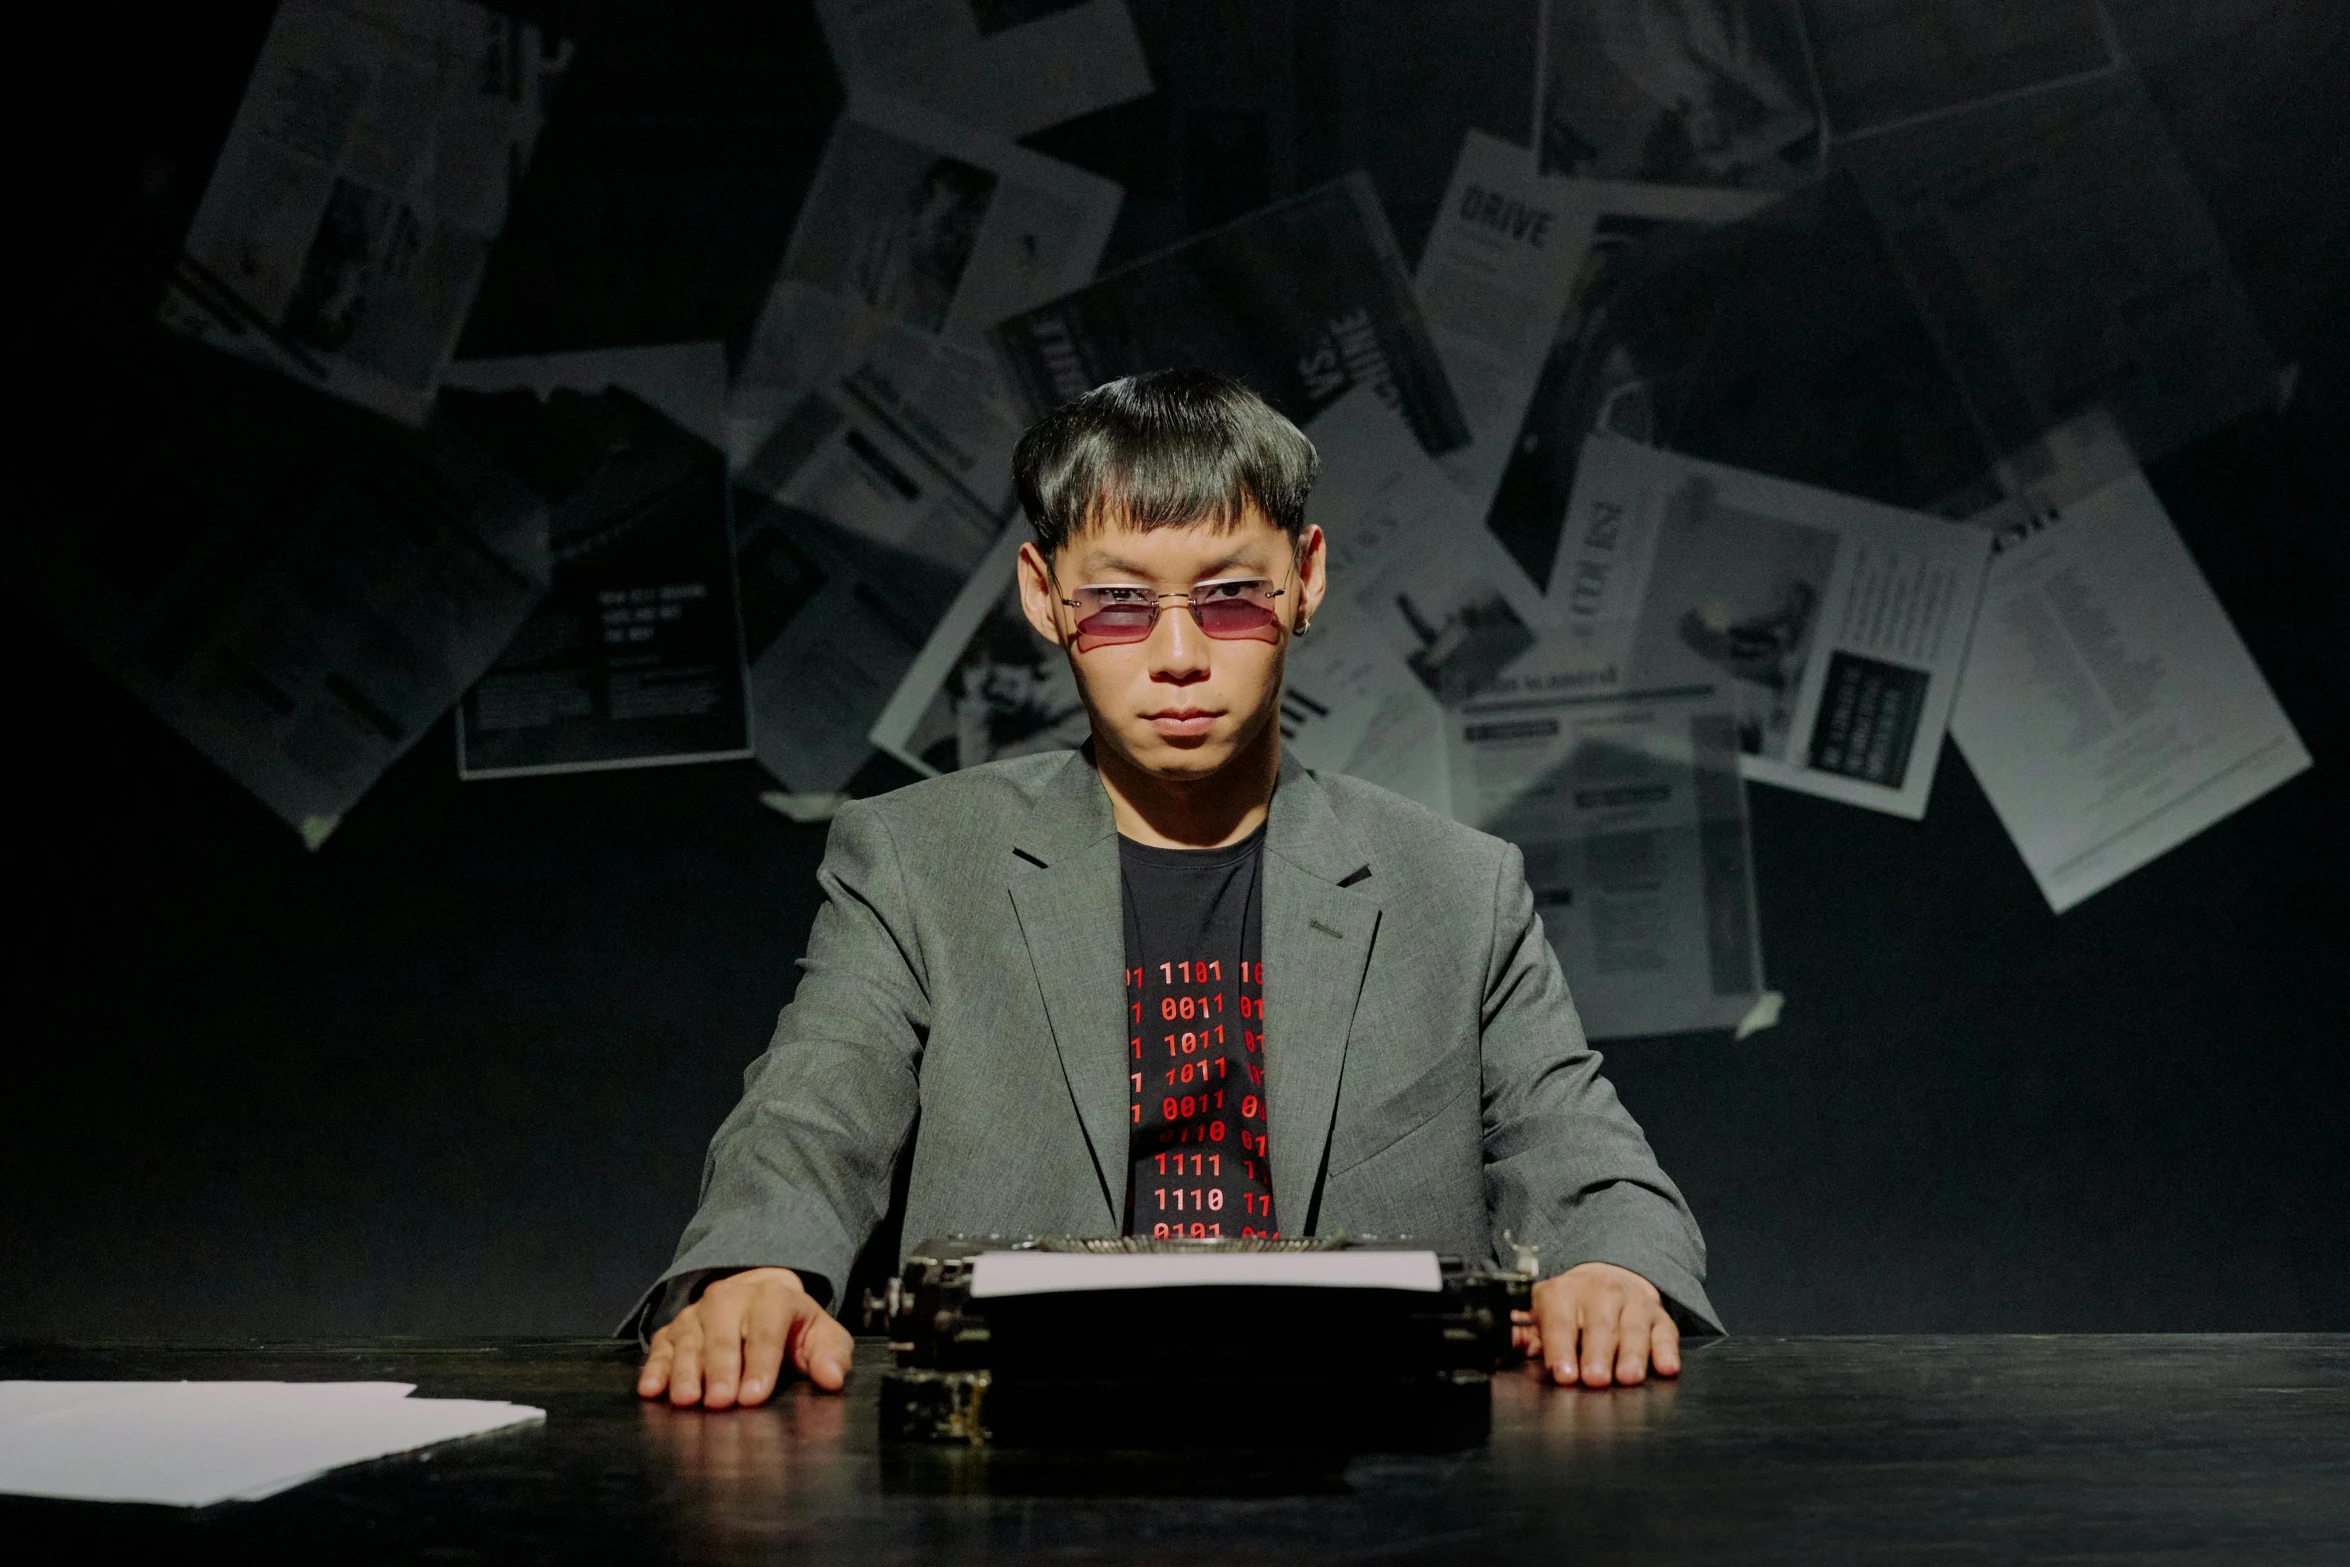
1182 720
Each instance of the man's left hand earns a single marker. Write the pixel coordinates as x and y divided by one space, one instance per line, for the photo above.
1600 1325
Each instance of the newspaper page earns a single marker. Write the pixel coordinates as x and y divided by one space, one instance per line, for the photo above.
986 687
1302 300
299 589
915 237
1788 343
1886 65
1516 265
1629 811
1678 92
365 176
1557 369
2109 708
1494 276
1422 610
635 659
1011 66
2063 258
851 545
1834 627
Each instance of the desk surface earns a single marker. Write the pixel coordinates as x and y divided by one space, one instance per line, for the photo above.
2170 1449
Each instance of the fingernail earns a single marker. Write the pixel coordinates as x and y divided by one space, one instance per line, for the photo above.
753 1388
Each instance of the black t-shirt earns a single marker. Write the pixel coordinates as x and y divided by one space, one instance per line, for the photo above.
1195 983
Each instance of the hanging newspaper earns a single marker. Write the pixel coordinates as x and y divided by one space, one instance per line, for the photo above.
1303 301
365 176
635 659
1882 66
1834 626
298 589
852 545
2063 257
916 236
1786 343
1629 811
1012 66
1680 92
2109 708
1423 609
1516 266
987 687
1496 272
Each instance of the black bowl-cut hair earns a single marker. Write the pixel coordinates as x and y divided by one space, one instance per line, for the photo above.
1160 450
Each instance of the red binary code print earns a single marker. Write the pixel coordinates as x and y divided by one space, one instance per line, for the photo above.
1199 1100
1195 1046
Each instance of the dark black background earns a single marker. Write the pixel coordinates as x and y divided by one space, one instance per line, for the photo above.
454 1073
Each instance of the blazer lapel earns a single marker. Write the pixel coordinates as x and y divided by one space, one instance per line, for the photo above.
1318 930
1064 883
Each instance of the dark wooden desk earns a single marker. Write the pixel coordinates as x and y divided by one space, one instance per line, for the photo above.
2228 1449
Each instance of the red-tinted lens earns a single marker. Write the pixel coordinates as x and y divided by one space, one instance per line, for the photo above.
1235 617
1118 623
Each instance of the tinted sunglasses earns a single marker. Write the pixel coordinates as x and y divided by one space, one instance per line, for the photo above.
1237 610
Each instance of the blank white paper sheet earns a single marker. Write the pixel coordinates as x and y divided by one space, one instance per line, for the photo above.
191 1444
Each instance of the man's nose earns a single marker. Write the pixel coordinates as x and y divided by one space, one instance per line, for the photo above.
1179 649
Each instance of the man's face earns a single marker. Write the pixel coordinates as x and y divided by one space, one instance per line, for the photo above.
1179 704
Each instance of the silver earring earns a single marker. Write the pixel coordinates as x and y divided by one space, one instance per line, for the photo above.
1303 627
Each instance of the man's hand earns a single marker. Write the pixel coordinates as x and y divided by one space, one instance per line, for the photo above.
1599 1324
729 1347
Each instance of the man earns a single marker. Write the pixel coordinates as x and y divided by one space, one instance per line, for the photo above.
1173 983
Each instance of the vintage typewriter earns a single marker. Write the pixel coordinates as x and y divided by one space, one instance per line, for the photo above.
1140 1343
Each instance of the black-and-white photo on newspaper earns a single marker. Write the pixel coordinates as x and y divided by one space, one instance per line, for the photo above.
916 236
1011 66
1832 627
635 658
365 177
851 544
1676 92
987 687
1884 65
1628 809
2110 710
2065 260
298 588
1303 300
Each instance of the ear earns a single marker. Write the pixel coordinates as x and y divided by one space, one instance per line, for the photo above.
1038 601
1313 576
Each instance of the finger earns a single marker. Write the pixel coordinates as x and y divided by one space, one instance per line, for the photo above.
821 1348
655 1375
685 1370
765 1325
1664 1346
722 1351
1600 1314
1632 1340
1555 1331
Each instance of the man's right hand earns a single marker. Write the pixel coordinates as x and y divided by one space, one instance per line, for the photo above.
729 1347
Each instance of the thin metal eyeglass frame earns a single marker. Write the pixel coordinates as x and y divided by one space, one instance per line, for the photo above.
1191 600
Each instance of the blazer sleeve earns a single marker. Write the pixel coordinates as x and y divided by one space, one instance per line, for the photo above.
798 1174
1567 1169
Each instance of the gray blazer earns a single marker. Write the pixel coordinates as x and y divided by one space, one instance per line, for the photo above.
1425 1073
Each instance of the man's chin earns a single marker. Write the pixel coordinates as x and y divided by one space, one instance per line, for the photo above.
1182 758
